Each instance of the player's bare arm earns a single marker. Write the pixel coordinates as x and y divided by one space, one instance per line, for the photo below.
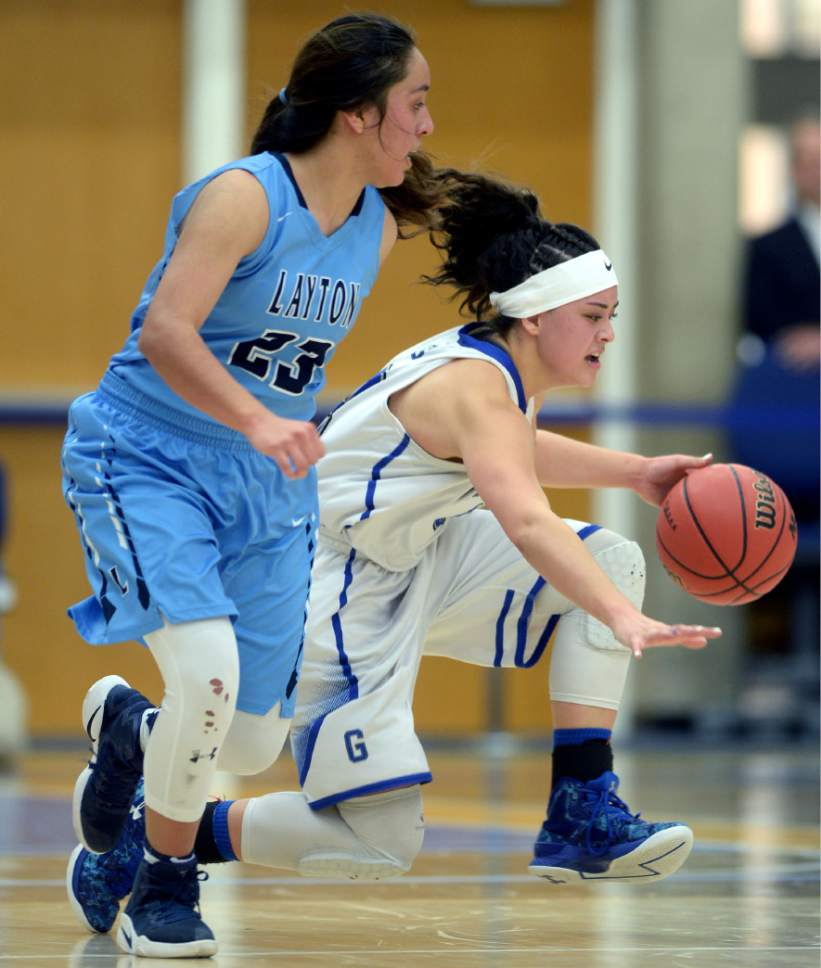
227 222
495 441
564 462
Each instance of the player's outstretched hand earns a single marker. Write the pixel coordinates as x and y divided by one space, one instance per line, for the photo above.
638 632
659 474
295 445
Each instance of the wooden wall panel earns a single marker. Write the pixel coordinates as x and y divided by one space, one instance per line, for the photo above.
89 160
90 151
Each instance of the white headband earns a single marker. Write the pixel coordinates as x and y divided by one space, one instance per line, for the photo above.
557 286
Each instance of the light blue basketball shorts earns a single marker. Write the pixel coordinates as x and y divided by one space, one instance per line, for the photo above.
184 521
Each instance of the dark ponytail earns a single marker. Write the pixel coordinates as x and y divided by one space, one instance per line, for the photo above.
349 63
493 237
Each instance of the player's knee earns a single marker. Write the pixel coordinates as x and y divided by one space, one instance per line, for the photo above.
253 742
390 823
200 669
623 562
211 695
389 828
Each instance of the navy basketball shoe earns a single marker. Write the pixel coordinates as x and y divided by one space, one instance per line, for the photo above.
96 883
590 834
162 918
112 715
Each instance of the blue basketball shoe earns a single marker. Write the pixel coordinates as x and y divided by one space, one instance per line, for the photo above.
96 883
590 834
162 918
112 715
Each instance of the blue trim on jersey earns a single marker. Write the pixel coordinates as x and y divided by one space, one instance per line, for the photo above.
345 664
544 638
313 732
376 473
500 629
491 349
522 622
587 531
290 173
521 629
376 378
344 661
286 165
362 791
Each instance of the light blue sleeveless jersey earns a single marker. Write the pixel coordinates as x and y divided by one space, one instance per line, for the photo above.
287 305
181 519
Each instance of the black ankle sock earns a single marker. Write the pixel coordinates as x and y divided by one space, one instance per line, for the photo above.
205 846
582 761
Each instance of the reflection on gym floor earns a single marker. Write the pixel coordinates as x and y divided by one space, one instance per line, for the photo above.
747 896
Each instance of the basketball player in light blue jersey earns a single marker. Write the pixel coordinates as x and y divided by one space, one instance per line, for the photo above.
190 468
437 538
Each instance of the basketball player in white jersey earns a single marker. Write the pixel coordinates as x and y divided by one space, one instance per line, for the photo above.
437 538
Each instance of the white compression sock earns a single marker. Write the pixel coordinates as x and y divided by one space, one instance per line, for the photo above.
281 830
200 670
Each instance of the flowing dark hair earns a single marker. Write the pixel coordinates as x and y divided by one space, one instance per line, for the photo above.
493 236
349 63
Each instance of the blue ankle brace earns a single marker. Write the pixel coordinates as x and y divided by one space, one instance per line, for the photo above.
222 837
574 737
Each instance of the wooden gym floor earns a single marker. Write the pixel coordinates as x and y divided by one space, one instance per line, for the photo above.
749 894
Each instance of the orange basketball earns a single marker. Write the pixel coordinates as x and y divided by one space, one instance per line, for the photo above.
726 533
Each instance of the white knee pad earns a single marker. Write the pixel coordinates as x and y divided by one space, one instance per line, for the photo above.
370 838
253 742
623 563
589 666
390 824
200 669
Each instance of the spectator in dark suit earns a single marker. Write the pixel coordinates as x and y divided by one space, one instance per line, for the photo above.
782 281
780 303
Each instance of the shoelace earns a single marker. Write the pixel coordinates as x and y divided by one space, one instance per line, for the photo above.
611 807
177 902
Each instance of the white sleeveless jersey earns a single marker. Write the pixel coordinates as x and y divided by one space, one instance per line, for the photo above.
380 493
